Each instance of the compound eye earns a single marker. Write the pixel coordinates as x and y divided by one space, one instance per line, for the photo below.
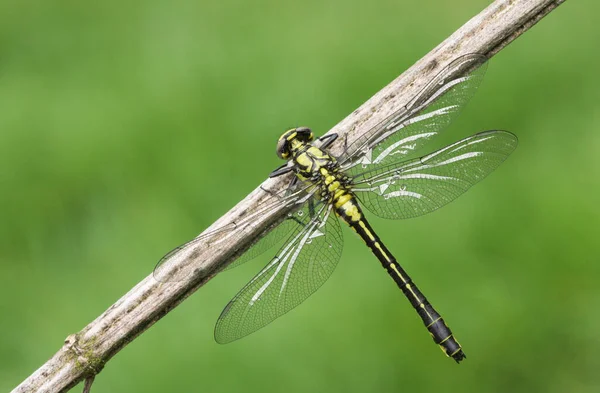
282 149
305 133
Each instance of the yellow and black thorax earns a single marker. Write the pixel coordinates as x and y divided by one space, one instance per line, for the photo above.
316 167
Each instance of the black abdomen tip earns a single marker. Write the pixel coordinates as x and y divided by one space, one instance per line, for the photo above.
459 356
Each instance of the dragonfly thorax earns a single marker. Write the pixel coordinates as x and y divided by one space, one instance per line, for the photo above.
317 167
311 164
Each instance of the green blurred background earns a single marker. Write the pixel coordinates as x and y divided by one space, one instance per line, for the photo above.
126 128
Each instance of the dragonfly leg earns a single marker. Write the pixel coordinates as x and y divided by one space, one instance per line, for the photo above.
327 140
292 186
281 170
272 193
289 190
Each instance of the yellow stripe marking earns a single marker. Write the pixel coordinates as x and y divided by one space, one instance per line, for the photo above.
422 305
369 234
431 324
333 186
399 275
342 200
351 210
304 161
387 258
446 339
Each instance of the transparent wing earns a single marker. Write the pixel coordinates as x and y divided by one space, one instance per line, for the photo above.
419 186
300 267
181 261
274 236
415 124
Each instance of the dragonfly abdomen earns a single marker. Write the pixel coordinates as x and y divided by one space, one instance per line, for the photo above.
351 213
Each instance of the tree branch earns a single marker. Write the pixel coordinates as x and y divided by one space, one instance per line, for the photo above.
84 354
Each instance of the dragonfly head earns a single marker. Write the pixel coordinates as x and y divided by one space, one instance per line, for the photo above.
292 140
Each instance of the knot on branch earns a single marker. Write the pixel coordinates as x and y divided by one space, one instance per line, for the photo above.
83 355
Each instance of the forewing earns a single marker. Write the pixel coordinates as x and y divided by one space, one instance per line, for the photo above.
419 186
423 118
181 261
300 267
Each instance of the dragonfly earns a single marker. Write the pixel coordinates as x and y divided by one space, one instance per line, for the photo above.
374 172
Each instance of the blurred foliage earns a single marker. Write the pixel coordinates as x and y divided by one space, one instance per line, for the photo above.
128 127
